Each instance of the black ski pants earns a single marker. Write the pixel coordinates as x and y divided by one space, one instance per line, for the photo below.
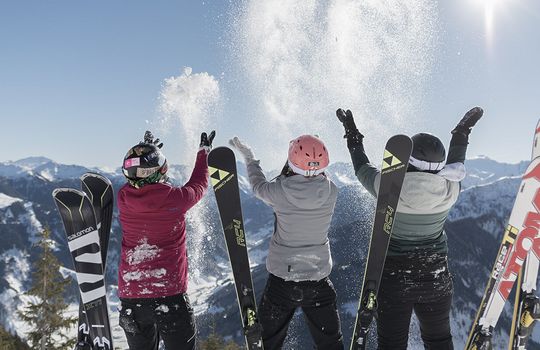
146 321
318 302
419 283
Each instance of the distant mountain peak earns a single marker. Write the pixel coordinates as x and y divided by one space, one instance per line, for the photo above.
481 156
32 162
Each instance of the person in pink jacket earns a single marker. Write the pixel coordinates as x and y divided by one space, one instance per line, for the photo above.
153 270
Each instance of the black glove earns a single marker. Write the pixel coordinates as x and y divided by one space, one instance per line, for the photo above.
206 140
149 138
468 121
352 134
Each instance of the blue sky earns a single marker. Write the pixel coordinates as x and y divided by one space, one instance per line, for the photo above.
81 81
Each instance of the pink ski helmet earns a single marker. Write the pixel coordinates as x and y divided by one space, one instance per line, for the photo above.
308 155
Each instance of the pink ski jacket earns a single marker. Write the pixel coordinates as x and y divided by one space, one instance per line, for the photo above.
153 259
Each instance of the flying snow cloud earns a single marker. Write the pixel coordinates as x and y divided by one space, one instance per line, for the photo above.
303 59
188 100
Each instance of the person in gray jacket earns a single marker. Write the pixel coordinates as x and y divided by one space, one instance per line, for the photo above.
299 259
415 276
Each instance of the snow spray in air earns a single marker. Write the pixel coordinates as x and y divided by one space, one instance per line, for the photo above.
187 100
300 60
304 59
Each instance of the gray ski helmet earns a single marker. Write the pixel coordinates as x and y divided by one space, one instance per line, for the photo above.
143 164
428 153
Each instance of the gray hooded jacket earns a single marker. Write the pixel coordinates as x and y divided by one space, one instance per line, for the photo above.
299 248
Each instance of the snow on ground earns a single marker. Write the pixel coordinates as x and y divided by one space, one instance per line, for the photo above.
6 201
12 299
30 221
201 289
49 174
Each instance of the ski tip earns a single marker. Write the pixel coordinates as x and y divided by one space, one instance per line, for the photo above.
64 191
59 190
220 152
95 175
400 138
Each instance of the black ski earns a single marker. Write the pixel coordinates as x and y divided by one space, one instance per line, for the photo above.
100 192
224 179
394 166
81 228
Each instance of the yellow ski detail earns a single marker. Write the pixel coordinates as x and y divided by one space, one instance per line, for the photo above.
216 175
389 160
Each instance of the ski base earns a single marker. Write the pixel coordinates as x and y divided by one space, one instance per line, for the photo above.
224 180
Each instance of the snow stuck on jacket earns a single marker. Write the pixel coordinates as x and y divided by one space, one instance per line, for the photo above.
144 274
142 252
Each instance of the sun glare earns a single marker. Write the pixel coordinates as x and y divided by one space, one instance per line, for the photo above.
490 9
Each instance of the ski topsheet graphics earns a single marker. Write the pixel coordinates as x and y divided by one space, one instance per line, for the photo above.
526 303
100 192
224 180
81 229
520 235
395 161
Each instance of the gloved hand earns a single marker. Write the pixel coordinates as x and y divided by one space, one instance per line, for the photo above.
346 118
352 134
243 148
206 140
468 121
149 138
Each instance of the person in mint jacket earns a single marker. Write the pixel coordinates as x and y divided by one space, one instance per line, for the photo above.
299 260
416 276
153 270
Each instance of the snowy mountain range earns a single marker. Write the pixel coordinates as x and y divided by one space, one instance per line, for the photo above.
474 229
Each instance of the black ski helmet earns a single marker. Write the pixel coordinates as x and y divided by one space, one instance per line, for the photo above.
144 163
428 153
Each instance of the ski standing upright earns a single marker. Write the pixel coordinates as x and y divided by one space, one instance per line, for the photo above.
224 179
526 303
395 161
520 235
100 192
87 220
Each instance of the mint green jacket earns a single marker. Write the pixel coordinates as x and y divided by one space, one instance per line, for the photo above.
425 200
424 204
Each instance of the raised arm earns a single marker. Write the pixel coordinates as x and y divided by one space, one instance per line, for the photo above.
262 188
460 136
192 192
367 174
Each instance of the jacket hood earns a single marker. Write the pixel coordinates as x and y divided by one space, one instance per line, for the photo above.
426 193
306 192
